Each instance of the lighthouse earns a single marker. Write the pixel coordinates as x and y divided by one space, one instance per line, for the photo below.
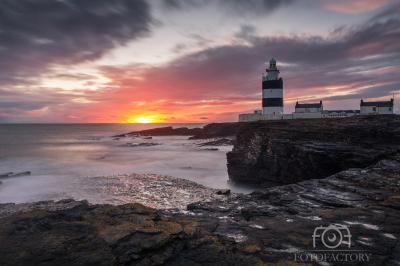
272 91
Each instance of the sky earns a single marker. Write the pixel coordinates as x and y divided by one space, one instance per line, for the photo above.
182 61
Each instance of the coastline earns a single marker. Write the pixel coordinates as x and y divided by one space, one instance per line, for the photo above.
185 223
269 226
160 192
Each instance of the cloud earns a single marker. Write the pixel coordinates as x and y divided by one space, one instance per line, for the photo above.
259 7
246 32
184 4
78 76
238 7
373 92
180 47
36 34
354 6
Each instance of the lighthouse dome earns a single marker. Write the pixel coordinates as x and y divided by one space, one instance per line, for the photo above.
272 64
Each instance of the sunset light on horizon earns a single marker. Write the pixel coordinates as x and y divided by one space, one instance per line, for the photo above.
144 120
191 61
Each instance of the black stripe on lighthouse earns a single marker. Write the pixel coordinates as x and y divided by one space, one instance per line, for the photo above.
272 102
272 84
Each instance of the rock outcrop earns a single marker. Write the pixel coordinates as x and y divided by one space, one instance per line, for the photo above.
130 234
218 130
165 131
277 224
289 151
217 142
11 174
208 131
142 144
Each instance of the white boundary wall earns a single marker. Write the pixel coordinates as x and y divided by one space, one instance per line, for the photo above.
306 115
256 117
338 116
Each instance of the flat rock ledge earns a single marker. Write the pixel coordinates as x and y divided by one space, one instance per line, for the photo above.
274 226
279 222
156 191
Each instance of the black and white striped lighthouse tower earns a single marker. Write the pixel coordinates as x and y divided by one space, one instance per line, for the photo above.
272 91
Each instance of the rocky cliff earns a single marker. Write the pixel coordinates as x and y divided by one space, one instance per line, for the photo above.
218 130
289 151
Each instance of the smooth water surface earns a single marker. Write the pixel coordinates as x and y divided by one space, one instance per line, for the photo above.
59 155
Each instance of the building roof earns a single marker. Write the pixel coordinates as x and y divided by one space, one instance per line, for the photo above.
341 111
308 105
378 104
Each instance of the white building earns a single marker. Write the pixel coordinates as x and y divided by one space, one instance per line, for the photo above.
308 107
377 107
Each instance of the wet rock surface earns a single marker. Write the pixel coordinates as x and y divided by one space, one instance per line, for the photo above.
273 153
277 224
7 209
269 227
11 174
130 234
217 142
155 191
143 144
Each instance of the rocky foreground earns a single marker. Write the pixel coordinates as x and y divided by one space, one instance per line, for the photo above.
273 153
269 227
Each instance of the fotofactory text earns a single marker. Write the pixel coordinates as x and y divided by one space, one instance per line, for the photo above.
332 244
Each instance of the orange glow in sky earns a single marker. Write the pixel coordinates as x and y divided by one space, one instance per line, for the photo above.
204 65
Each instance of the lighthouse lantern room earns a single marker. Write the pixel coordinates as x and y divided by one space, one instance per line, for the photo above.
272 90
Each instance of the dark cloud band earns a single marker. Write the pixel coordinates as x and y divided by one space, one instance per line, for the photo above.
37 33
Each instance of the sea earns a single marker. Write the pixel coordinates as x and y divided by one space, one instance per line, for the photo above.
65 159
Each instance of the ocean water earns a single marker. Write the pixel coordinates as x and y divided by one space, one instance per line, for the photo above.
63 158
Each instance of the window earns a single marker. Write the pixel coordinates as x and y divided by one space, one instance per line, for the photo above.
374 109
390 109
